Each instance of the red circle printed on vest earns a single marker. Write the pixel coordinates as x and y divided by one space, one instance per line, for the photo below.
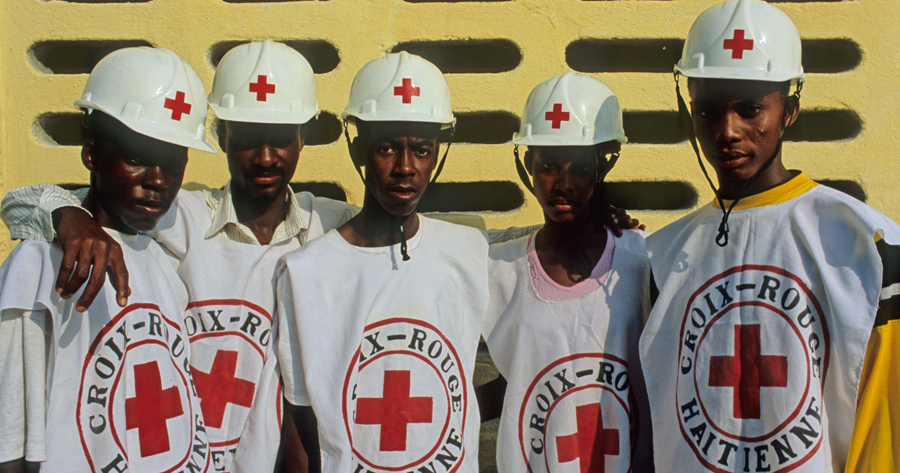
405 399
753 354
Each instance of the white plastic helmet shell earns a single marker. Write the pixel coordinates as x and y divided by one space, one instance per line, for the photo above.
153 92
571 110
264 82
400 87
742 39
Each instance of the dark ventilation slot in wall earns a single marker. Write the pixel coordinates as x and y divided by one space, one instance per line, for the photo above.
851 188
455 1
663 127
466 56
830 55
331 190
630 55
74 57
322 55
485 127
271 1
826 56
824 125
660 127
660 195
101 2
59 129
325 129
487 196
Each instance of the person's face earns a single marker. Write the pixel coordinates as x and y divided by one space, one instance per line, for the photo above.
564 178
400 158
739 124
262 157
135 178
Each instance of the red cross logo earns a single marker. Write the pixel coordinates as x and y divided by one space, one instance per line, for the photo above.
747 371
149 410
178 106
556 116
407 91
591 443
221 387
738 45
394 412
262 87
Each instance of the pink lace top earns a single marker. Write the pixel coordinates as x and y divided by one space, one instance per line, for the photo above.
549 290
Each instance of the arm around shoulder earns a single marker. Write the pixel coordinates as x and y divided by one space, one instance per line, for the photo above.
28 211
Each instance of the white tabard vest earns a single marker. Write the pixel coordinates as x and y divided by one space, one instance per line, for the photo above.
384 349
753 352
231 288
572 365
120 393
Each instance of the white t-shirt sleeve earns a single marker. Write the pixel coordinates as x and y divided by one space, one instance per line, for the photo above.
24 344
28 211
288 341
334 213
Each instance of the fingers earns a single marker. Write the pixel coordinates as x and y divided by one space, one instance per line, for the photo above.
118 275
95 283
80 273
70 255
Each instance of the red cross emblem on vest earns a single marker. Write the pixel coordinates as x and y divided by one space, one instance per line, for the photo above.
406 91
150 408
221 387
556 116
178 106
591 443
394 411
747 371
262 87
737 44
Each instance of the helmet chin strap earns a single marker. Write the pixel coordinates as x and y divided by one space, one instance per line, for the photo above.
687 124
523 173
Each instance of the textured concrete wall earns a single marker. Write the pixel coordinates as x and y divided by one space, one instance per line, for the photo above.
493 53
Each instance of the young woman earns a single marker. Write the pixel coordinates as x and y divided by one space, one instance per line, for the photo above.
568 301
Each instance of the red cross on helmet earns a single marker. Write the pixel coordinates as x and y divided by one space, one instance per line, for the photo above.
571 110
742 39
153 92
400 87
264 82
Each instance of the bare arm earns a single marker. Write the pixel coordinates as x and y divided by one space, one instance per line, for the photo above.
304 419
44 212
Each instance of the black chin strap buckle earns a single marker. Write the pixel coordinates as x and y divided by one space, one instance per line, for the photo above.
722 236
403 249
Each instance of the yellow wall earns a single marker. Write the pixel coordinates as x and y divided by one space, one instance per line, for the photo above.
541 30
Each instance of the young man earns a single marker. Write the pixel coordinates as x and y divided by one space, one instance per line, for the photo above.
111 389
568 301
227 242
379 347
753 353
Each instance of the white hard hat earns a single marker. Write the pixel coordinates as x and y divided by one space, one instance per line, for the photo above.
571 110
264 82
742 39
400 87
153 92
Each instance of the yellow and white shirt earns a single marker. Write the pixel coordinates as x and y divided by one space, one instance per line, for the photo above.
753 353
